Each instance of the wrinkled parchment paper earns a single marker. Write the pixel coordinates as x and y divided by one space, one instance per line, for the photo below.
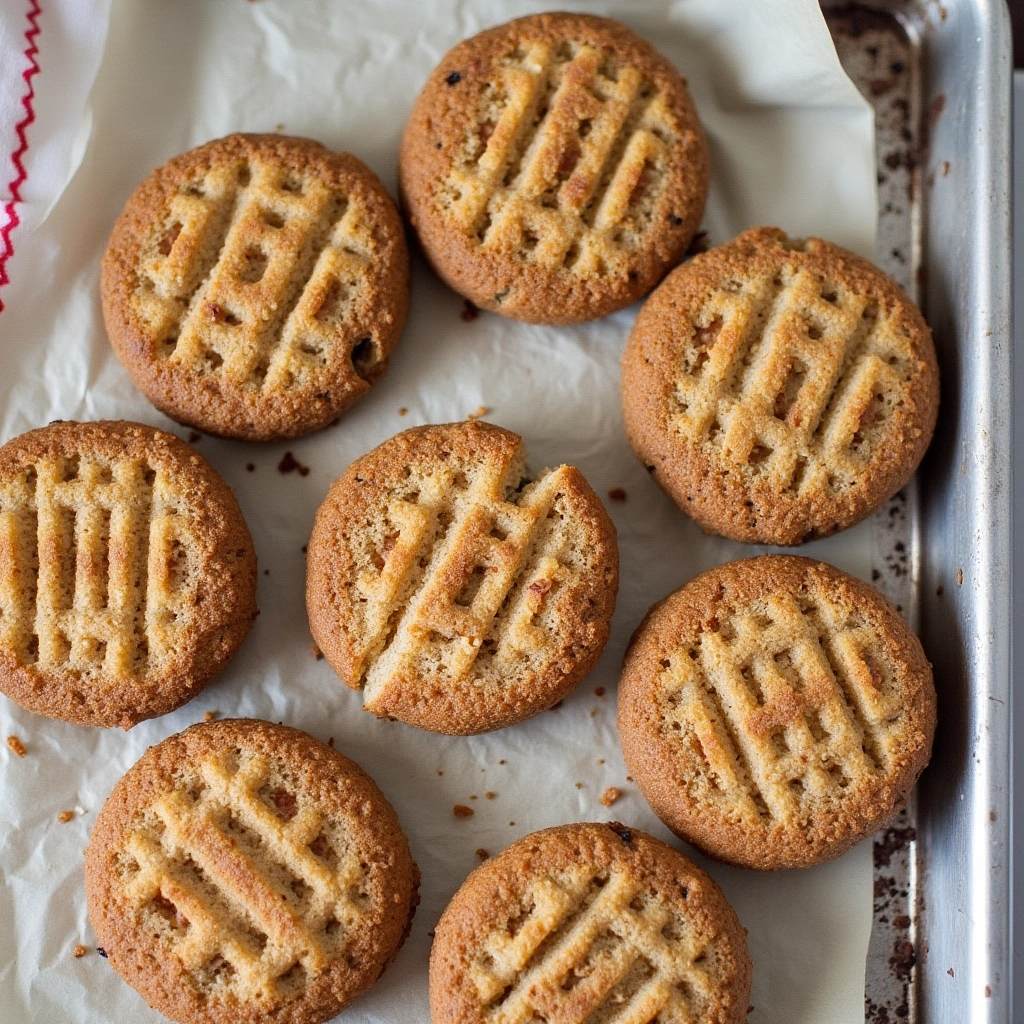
792 145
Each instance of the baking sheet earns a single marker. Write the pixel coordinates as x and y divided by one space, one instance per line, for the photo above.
791 144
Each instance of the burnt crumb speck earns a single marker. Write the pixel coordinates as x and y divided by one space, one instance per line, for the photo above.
290 464
903 958
469 311
621 831
893 841
453 78
618 494
102 952
250 467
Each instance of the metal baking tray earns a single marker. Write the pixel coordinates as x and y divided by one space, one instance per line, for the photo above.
939 77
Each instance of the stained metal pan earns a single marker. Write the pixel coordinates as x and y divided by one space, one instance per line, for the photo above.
939 77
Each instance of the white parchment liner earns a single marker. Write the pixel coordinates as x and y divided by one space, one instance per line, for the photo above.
792 144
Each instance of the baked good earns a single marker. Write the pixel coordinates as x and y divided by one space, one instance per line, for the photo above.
256 286
463 594
583 923
243 871
127 573
779 390
775 711
554 168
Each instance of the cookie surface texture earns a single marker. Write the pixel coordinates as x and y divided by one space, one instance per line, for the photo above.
243 871
554 168
460 595
775 711
127 573
779 390
256 286
589 922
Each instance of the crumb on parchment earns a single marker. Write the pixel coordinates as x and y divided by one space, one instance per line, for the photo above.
482 853
79 951
17 747
462 811
210 716
65 816
481 410
610 795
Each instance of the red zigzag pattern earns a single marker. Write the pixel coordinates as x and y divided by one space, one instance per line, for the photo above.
12 219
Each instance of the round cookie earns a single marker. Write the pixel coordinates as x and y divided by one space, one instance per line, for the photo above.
460 593
243 871
554 168
779 390
256 286
127 573
584 923
775 711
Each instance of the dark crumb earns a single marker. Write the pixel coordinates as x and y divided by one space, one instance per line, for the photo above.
440 771
940 590
903 958
593 712
875 575
462 811
610 795
894 840
289 464
901 921
17 747
102 952
304 548
330 741
403 411
502 761
482 853
250 467
949 971
511 823
600 760
194 436
469 311
490 794
618 494
210 716
599 691
65 816
650 469
579 785
621 831
454 78
698 245
472 796
992 815
555 707
959 577
629 778
266 572
79 951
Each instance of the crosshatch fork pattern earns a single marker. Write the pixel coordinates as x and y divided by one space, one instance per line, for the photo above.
787 702
570 161
106 543
254 920
591 944
258 270
788 378
474 574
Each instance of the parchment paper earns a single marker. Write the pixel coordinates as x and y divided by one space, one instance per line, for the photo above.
792 145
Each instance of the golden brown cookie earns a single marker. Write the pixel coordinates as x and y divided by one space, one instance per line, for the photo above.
779 390
256 286
127 573
775 711
583 923
460 593
554 168
243 871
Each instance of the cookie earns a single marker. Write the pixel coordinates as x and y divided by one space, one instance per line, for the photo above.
243 871
554 168
779 390
462 594
589 923
256 286
775 711
127 573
